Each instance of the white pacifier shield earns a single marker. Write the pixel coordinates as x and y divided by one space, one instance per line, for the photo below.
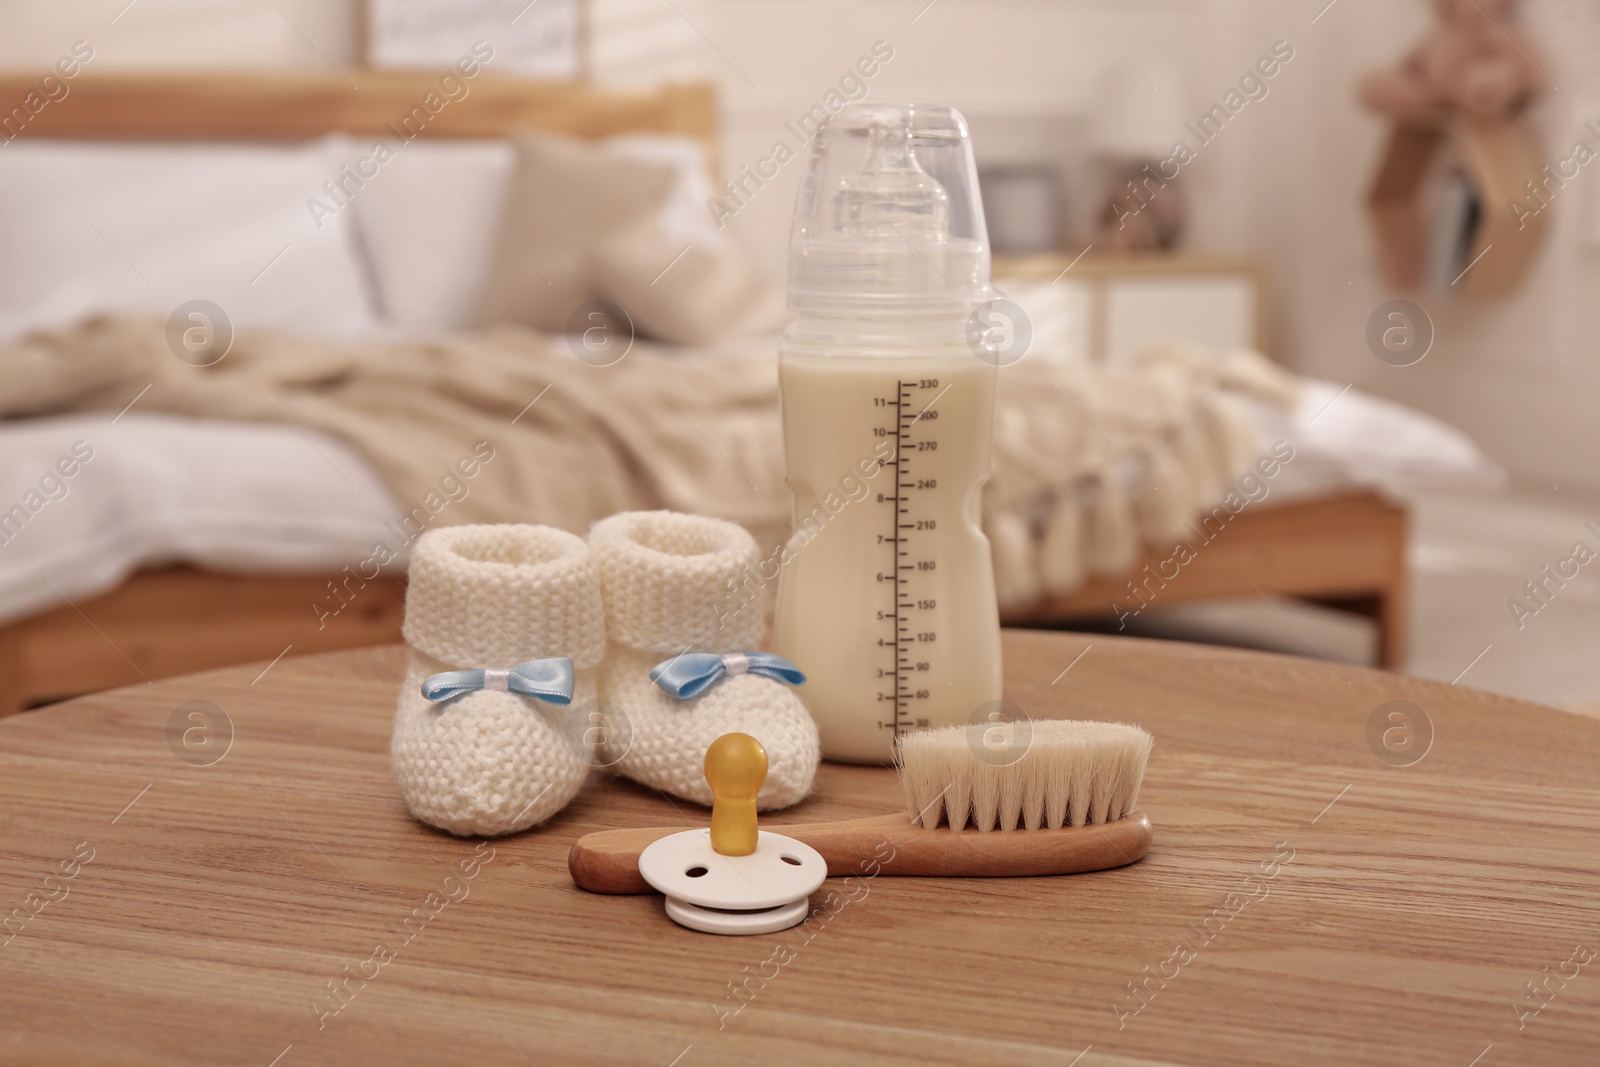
735 923
774 880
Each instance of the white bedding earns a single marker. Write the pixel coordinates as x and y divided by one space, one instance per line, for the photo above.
160 488
265 498
1344 438
287 236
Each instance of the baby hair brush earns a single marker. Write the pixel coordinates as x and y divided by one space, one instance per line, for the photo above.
1066 804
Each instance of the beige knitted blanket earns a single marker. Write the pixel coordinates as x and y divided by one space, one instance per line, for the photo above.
1089 462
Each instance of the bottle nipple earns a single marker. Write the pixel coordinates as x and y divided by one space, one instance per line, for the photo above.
891 196
736 767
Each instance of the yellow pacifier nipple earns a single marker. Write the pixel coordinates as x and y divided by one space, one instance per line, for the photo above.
736 766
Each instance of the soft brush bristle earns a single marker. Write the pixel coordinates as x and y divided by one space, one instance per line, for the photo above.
1070 773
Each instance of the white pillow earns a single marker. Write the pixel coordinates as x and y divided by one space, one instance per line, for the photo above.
429 218
144 228
684 215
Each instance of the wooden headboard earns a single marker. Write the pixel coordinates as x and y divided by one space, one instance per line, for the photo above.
297 106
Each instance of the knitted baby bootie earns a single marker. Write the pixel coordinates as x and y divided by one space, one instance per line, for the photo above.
485 741
665 577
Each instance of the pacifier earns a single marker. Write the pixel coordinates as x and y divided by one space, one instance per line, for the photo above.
734 878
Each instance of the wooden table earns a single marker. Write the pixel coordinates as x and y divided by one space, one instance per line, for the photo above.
1308 899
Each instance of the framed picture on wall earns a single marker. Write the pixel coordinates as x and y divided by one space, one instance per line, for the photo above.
530 38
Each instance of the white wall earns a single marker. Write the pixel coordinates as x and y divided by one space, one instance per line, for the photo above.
1025 72
1529 362
220 34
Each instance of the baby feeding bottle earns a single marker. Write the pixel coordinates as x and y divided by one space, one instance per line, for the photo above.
886 596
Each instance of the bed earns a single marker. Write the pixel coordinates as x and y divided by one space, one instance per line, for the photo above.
175 618
197 600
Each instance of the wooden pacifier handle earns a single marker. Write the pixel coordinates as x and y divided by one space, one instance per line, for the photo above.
736 767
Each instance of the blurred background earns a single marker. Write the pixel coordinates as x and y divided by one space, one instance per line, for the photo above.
1339 157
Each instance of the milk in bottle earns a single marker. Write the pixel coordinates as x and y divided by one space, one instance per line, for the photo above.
886 597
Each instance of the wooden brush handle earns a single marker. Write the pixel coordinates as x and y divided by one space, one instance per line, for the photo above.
608 861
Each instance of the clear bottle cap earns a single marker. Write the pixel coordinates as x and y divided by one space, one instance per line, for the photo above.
889 220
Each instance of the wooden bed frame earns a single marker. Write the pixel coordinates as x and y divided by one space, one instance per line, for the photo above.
1348 550
301 106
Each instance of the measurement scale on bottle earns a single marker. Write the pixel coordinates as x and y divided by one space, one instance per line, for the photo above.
910 528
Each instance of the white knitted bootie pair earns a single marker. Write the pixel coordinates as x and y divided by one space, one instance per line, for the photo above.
496 731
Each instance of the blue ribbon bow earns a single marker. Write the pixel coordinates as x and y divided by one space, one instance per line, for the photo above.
693 673
549 680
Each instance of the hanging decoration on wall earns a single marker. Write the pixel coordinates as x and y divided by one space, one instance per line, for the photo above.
1457 204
